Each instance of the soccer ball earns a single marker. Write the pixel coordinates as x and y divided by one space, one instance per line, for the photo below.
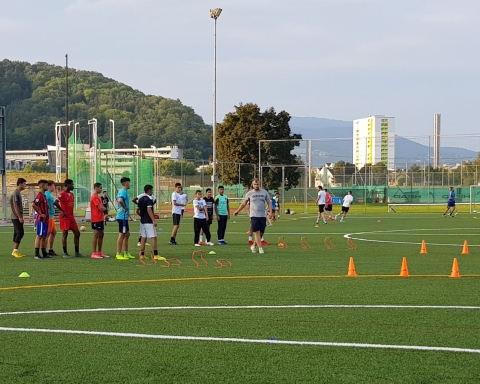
165 216
83 228
292 212
474 211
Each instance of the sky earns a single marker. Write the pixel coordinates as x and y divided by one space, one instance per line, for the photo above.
336 59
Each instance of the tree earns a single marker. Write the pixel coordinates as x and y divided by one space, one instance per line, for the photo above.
177 168
238 142
343 171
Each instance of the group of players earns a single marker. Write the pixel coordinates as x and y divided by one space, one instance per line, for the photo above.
325 206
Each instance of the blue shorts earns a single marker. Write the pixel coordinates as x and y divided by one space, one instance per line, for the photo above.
41 228
450 203
123 226
258 224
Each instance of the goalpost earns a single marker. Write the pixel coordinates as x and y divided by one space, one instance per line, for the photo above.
474 198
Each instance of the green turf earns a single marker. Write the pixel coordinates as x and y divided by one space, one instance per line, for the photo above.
289 276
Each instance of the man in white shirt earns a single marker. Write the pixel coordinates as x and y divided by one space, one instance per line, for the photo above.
178 205
347 200
200 219
321 201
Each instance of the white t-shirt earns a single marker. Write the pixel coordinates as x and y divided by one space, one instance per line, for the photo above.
322 196
176 209
183 199
347 200
196 212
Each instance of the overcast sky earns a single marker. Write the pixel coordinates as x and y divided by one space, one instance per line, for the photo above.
338 59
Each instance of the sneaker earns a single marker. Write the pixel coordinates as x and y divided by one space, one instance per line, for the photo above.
316 225
17 254
66 255
264 242
51 252
158 257
342 221
104 255
129 256
38 257
196 245
79 255
139 244
119 256
222 242
269 225
47 256
96 255
209 243
172 243
335 218
250 242
254 250
455 213
260 250
324 221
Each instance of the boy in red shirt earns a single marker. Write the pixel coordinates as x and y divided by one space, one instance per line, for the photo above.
98 211
40 205
65 202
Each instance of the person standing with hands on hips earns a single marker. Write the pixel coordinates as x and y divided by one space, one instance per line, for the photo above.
123 214
200 219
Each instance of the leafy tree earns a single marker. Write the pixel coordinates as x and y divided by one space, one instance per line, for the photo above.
177 168
343 171
40 166
238 139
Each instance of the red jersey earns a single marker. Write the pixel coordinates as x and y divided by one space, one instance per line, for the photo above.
97 215
329 199
66 200
42 207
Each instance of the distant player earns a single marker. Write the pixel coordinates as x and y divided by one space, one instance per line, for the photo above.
97 210
276 213
148 223
222 210
321 201
210 201
16 204
328 205
257 198
451 203
52 227
347 201
40 206
123 215
65 203
273 203
178 206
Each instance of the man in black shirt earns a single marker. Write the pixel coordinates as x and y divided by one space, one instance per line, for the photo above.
210 201
148 223
105 201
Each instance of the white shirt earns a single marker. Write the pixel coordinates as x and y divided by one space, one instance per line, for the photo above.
347 200
176 209
183 199
196 212
322 196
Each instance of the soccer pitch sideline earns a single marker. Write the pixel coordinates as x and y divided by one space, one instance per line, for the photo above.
289 315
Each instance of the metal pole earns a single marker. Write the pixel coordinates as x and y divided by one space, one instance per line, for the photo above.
3 138
309 163
136 163
283 186
112 122
259 162
66 116
214 154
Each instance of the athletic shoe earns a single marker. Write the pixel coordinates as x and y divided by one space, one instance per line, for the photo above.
342 221
51 252
129 256
444 215
139 244
17 254
316 225
260 250
66 255
119 256
197 245
254 250
104 255
38 257
96 255
269 225
222 242
158 257
79 255
47 256
336 216
172 243
250 242
455 213
324 221
209 243
265 242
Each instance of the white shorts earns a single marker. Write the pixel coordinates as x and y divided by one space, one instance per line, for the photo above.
148 231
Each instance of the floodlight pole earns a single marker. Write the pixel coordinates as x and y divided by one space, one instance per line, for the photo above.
214 14
155 166
93 123
112 126
136 161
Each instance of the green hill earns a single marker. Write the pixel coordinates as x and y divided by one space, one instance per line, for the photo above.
34 96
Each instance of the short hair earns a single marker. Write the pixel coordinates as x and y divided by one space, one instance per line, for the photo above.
67 181
147 188
50 183
21 180
255 179
326 190
178 185
42 181
198 191
350 192
208 190
221 187
104 191
320 187
124 180
96 185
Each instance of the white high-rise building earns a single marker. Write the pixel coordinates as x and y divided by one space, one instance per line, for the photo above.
374 141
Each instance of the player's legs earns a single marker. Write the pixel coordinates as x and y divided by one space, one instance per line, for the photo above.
52 232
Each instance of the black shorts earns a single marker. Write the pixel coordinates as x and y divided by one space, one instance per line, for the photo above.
345 209
258 224
176 218
121 225
321 207
329 208
100 226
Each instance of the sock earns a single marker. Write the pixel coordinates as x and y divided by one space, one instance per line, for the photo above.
15 249
172 239
77 249
139 239
155 252
142 253
37 252
44 251
250 238
51 250
262 239
201 238
65 249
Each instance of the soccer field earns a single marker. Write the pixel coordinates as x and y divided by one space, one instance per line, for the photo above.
289 315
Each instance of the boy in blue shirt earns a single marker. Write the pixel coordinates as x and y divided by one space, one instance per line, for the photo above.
123 214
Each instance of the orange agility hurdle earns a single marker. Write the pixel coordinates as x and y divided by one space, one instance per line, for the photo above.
144 257
222 261
202 258
328 242
281 242
171 261
304 243
351 244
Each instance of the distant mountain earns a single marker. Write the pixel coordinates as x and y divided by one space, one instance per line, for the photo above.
338 144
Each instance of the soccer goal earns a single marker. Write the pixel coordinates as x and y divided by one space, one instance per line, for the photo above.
474 198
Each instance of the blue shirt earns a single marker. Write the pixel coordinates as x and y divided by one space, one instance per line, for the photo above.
221 201
121 215
51 207
451 197
274 203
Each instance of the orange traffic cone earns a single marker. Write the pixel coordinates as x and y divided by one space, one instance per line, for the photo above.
404 269
465 248
455 271
351 268
423 249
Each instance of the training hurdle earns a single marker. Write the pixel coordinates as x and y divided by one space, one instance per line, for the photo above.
351 244
202 258
328 242
222 261
142 258
171 261
304 243
281 242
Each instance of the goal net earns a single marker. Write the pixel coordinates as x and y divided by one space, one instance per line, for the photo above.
474 198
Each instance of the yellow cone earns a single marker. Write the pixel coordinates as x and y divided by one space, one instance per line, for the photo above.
24 274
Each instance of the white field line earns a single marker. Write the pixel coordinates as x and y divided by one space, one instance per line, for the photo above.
301 306
237 340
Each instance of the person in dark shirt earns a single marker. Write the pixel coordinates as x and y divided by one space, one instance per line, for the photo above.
105 202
